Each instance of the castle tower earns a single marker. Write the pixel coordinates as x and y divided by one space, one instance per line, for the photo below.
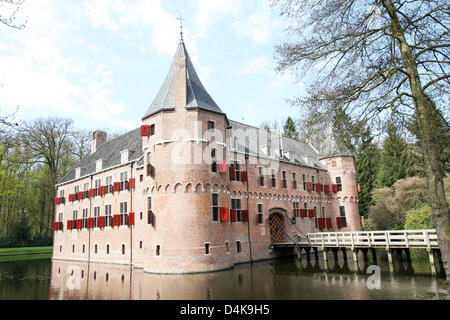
341 168
179 180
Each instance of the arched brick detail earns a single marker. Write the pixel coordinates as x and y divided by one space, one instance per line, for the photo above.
188 188
198 187
166 189
177 187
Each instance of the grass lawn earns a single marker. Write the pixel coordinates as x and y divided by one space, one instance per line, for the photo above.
24 251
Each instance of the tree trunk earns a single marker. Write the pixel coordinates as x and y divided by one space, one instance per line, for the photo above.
427 117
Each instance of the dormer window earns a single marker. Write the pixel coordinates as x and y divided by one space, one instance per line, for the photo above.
124 155
99 165
78 173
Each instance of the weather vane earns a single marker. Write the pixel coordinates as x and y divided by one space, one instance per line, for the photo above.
181 23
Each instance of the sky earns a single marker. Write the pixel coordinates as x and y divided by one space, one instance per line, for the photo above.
101 62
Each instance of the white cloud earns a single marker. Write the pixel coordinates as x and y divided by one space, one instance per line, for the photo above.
258 26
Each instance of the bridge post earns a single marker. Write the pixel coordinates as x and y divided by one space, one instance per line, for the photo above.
439 261
431 257
374 255
355 259
389 254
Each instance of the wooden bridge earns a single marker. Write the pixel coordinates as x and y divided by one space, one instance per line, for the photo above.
390 240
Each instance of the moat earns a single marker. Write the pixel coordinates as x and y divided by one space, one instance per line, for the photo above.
283 279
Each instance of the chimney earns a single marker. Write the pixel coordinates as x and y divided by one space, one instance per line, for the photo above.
98 138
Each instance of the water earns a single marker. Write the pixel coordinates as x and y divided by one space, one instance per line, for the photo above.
275 279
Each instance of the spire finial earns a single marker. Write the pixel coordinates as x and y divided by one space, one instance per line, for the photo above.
181 23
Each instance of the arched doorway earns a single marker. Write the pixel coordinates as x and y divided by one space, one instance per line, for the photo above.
276 228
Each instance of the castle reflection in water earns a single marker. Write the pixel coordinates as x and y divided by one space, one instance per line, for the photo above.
274 279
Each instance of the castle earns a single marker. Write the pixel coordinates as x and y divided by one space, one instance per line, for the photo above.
192 191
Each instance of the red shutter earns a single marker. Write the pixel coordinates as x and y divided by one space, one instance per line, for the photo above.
101 222
321 222
233 214
232 173
244 215
329 223
319 187
334 186
131 219
55 226
61 226
303 213
79 223
116 186
311 213
223 167
145 130
309 186
91 193
224 214
90 223
339 222
326 188
71 197
244 176
80 195
116 220
132 183
69 224
56 201
101 190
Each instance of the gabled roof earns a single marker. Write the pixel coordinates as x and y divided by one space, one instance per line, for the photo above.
197 96
110 153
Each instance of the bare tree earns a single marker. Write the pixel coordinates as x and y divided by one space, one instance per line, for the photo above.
10 18
378 59
48 141
81 141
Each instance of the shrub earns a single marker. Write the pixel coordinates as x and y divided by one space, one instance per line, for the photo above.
420 218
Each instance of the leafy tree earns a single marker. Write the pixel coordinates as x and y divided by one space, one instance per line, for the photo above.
366 160
378 58
394 158
9 19
290 130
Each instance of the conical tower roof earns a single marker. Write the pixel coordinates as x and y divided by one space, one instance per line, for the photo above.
332 146
182 73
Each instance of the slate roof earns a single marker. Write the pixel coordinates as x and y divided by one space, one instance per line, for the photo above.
109 152
197 96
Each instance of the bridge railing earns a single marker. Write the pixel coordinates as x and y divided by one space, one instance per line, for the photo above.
389 239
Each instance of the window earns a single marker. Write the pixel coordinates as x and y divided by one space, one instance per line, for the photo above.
304 181
60 216
86 186
123 249
296 209
227 246
294 180
108 180
140 244
97 183
238 246
206 248
75 214
73 248
274 181
261 176
77 189
210 125
152 129
236 205
283 174
84 248
107 249
158 250
85 216
323 212
96 215
342 214
313 184
141 178
124 156
149 166
339 183
234 144
108 218
123 180
213 160
61 193
95 249
260 214
315 215
215 206
237 169
123 213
